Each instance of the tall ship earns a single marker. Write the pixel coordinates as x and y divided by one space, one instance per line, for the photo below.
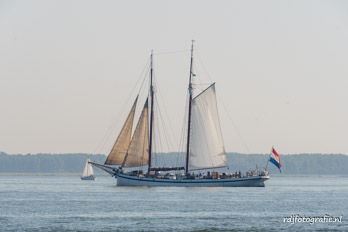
204 164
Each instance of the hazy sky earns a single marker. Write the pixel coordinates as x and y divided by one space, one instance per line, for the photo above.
67 69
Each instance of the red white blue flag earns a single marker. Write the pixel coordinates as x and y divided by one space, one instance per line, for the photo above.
275 159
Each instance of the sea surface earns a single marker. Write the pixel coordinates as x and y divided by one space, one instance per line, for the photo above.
65 203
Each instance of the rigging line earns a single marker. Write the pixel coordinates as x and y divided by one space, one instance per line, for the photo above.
182 146
202 84
168 125
108 132
155 142
171 52
164 127
235 128
164 116
143 161
183 129
142 75
158 129
159 145
161 131
203 66
224 106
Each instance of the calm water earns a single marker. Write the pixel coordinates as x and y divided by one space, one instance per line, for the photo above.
65 203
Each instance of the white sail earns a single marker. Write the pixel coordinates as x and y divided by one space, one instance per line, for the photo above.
206 143
87 169
90 169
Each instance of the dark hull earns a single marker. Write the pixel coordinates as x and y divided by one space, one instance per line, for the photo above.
253 181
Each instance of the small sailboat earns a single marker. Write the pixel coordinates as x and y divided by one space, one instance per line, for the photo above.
88 173
205 161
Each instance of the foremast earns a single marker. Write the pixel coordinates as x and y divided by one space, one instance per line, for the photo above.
189 112
139 151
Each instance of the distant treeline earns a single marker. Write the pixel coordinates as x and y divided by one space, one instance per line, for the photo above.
320 164
317 164
46 163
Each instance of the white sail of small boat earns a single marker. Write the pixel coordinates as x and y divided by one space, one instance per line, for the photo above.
204 147
88 173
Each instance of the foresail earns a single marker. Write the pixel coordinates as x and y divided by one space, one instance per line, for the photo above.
138 154
119 150
206 145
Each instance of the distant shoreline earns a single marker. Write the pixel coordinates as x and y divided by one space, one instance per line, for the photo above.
73 164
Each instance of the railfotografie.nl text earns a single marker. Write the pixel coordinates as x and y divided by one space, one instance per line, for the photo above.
296 218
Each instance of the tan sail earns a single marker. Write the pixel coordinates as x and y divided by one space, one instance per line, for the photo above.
119 150
138 150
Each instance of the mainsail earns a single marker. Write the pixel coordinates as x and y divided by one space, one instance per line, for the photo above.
119 150
206 145
138 152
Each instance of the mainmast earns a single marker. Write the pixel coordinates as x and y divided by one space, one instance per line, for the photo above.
151 111
189 112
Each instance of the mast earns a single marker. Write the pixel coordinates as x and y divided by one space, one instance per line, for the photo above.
189 112
151 111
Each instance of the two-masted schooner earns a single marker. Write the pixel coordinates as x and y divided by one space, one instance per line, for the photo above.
204 154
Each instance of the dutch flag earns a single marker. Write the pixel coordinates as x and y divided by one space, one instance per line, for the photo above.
275 159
